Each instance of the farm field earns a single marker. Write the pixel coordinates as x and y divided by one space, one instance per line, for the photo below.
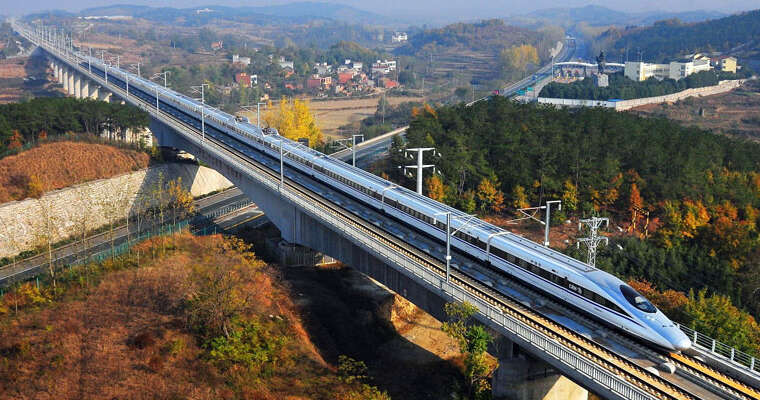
332 114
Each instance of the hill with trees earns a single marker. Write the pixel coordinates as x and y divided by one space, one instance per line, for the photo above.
492 38
23 124
701 191
669 39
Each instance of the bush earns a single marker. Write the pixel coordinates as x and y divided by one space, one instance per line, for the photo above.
250 345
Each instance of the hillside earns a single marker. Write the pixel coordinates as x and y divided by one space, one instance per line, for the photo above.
666 40
595 15
56 165
201 318
293 13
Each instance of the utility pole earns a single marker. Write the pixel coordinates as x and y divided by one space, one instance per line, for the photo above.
200 89
420 165
384 99
164 73
593 241
353 146
548 218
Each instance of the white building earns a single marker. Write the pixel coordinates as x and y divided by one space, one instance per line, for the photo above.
236 59
382 67
322 68
399 37
641 71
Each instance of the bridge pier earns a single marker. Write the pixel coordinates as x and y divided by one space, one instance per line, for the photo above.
522 377
77 86
94 91
65 79
105 95
85 88
71 89
54 67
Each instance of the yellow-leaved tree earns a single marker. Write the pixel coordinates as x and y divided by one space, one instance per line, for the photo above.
294 120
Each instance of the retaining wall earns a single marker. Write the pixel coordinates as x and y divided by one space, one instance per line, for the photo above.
722 87
63 213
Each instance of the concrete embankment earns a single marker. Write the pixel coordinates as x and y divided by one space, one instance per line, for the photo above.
63 213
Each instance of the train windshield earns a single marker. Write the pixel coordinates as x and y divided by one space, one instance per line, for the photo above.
637 300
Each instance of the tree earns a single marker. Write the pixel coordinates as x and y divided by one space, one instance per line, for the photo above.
294 120
473 341
180 199
15 141
435 188
517 58
490 197
570 196
715 316
520 198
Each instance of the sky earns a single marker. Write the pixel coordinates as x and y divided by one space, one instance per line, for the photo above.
417 9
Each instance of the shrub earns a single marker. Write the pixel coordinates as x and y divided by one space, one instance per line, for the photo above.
249 344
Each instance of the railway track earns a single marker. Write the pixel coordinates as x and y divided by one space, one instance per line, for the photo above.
638 376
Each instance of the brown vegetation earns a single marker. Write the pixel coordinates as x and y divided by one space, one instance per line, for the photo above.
56 165
733 113
147 333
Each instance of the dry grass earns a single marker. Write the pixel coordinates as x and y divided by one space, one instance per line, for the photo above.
332 114
128 336
62 164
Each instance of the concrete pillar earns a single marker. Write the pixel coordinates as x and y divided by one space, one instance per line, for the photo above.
521 377
66 86
105 95
60 74
85 88
71 82
94 91
77 86
54 67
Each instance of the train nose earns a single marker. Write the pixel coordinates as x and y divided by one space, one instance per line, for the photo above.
683 344
678 340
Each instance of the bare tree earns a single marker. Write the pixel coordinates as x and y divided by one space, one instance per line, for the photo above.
46 232
83 217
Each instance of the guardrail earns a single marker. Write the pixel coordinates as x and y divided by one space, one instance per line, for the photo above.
730 353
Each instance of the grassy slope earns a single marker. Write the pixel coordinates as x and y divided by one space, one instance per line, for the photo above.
127 336
62 164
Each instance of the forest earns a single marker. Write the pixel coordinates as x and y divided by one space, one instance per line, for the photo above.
670 38
27 122
686 202
623 88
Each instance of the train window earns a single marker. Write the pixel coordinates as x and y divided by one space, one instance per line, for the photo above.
637 300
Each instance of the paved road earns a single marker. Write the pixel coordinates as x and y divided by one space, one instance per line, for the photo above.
218 207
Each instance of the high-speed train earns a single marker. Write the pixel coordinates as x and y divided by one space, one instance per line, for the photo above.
596 293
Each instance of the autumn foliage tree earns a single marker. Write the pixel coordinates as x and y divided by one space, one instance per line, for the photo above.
490 198
15 141
517 58
435 188
294 120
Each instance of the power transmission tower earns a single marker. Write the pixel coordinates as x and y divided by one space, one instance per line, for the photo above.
593 241
420 165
